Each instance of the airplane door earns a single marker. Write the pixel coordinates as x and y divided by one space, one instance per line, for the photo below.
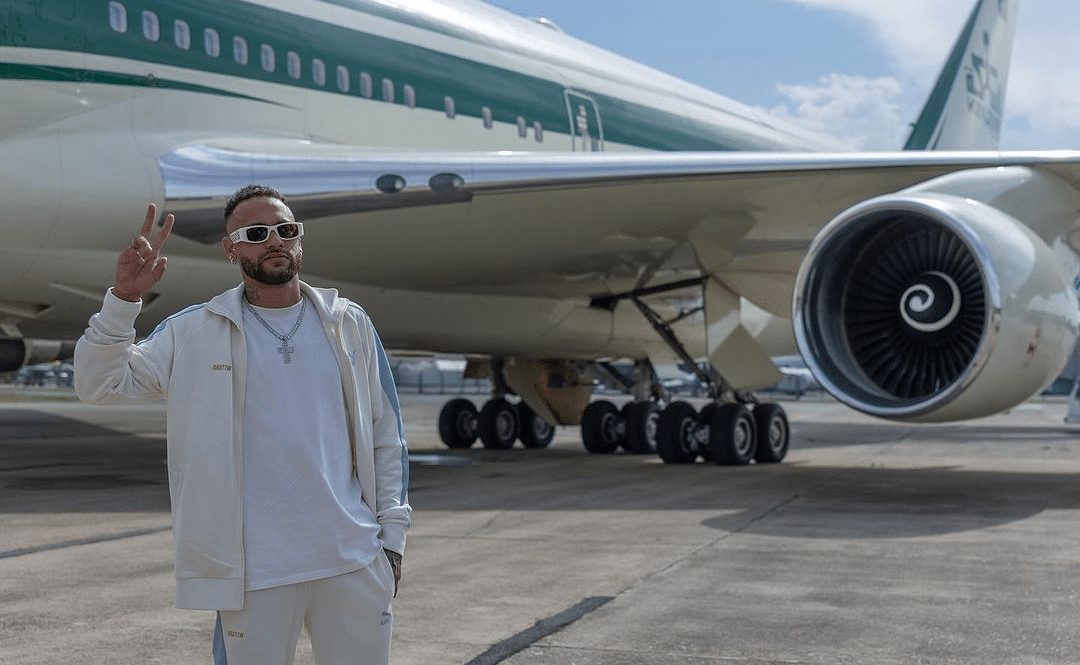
586 131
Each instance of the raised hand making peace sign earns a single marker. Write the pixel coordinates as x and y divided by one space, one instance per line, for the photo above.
142 264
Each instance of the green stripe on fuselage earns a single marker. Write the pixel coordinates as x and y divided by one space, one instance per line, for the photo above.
68 74
68 25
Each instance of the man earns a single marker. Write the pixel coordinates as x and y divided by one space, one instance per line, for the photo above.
288 470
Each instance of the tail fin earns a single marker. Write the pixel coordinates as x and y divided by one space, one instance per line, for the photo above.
964 111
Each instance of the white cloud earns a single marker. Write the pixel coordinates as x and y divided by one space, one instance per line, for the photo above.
853 109
916 33
1043 101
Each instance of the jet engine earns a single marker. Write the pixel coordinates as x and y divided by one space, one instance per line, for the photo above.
930 305
16 352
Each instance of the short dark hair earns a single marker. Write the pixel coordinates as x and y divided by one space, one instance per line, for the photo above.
250 192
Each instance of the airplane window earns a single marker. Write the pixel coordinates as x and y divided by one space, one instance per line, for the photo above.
388 90
538 130
292 63
486 113
151 27
118 17
523 129
365 85
240 50
182 34
410 96
318 72
266 55
211 42
449 107
342 78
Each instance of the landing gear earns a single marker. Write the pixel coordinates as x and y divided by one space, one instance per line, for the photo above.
498 425
679 435
732 435
458 421
534 432
605 428
600 430
641 422
773 433
727 431
728 434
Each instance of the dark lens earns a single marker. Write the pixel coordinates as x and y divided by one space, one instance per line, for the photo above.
287 231
257 233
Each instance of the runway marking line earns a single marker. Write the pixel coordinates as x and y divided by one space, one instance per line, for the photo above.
500 651
83 541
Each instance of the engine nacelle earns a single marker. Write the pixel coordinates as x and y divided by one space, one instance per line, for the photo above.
929 305
16 352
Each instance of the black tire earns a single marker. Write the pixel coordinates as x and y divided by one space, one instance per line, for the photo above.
642 419
674 432
458 422
498 424
773 433
707 412
599 428
732 435
534 430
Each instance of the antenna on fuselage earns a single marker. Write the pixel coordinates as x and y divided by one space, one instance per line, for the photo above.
548 23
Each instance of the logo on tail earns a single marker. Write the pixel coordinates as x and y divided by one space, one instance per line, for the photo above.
965 108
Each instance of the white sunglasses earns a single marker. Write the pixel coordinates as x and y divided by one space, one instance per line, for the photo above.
257 233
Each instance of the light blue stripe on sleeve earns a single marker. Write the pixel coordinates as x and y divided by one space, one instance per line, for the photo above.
220 657
161 326
386 377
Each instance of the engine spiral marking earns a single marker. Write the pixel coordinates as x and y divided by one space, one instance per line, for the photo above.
932 304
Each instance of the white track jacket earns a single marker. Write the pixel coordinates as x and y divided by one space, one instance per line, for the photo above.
196 360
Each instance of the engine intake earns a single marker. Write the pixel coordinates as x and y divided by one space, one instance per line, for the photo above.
913 309
930 306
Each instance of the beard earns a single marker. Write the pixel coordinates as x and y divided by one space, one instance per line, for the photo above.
254 269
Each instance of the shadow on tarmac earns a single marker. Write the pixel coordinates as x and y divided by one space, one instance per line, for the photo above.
71 466
49 464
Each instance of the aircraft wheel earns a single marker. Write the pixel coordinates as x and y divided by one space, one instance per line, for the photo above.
641 421
705 419
773 433
535 432
675 432
732 436
457 423
600 427
498 424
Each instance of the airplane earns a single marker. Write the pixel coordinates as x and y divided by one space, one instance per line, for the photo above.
489 187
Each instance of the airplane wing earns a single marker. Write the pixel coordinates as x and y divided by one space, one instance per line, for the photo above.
703 231
562 225
557 225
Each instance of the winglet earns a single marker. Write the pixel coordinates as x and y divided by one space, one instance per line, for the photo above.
965 108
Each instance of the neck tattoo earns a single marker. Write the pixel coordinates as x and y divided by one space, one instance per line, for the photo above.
285 350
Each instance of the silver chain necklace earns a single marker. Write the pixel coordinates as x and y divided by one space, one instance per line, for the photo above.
285 350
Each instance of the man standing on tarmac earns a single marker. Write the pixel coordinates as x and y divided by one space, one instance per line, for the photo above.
288 470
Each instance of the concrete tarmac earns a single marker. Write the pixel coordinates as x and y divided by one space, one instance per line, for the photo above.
872 543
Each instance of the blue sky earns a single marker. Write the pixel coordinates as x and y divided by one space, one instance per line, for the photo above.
858 68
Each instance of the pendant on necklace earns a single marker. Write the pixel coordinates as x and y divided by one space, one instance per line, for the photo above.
285 350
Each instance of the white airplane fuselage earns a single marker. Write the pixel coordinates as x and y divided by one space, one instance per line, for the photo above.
96 92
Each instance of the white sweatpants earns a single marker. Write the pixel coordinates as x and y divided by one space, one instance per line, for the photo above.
348 618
